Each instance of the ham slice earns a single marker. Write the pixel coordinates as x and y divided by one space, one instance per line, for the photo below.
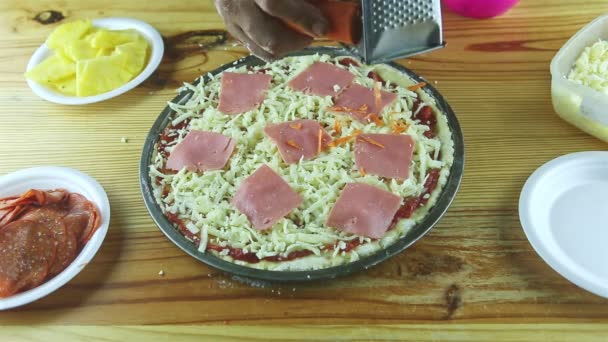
264 197
201 151
298 139
385 155
322 79
240 92
359 102
364 210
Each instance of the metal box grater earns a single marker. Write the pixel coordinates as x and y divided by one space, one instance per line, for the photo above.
394 29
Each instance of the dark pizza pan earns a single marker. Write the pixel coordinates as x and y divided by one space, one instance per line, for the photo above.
418 231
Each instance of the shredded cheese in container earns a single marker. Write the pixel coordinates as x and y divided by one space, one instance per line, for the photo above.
203 199
591 67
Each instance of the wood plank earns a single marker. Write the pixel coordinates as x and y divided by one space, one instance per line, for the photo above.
474 267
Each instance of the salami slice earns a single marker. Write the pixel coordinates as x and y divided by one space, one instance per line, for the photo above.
41 233
53 218
82 218
12 207
28 249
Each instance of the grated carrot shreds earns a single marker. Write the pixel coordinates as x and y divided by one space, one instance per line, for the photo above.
293 144
297 126
362 171
338 127
417 86
344 140
377 95
340 141
361 110
400 127
373 117
371 141
320 140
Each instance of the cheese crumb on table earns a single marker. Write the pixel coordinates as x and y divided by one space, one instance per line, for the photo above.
124 140
161 273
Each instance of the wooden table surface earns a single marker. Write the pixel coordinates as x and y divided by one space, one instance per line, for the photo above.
474 277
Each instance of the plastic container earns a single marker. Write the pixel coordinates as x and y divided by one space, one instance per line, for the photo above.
580 105
480 9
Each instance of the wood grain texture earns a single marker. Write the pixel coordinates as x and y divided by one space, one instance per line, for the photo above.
474 272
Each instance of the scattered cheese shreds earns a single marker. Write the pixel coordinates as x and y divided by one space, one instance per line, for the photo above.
297 126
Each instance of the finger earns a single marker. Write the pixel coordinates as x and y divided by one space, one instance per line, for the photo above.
272 35
255 49
299 12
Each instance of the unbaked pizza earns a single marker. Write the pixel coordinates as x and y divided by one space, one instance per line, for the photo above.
303 163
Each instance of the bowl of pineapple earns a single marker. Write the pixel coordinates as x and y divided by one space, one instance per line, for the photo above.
88 61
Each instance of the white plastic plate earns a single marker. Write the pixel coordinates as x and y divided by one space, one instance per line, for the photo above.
563 209
148 32
46 178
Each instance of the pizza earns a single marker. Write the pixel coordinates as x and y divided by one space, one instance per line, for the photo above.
303 163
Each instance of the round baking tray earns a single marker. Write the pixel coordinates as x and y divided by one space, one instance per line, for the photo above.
443 202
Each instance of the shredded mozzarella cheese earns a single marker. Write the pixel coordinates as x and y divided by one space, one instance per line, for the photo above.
203 199
591 67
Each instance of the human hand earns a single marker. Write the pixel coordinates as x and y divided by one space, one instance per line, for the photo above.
261 25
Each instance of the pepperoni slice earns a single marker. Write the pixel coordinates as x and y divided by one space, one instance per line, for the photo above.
40 234
83 217
52 217
27 250
13 206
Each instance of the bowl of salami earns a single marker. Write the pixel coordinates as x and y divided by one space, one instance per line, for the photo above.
52 222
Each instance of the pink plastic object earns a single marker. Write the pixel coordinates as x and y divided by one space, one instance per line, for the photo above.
480 8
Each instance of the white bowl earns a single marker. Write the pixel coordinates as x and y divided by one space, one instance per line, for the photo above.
148 32
51 177
563 210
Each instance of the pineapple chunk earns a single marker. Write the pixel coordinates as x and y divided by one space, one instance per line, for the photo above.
66 86
136 54
100 75
90 61
69 32
78 50
52 69
105 52
109 39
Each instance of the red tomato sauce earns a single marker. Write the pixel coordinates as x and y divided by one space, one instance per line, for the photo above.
348 62
412 203
426 117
